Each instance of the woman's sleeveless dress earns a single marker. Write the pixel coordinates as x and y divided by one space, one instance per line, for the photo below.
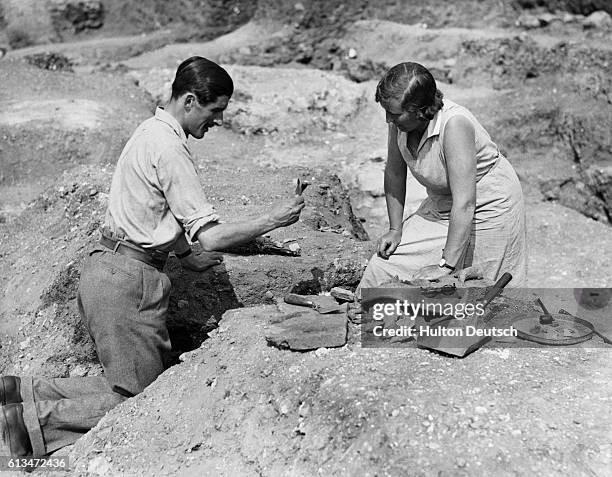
498 237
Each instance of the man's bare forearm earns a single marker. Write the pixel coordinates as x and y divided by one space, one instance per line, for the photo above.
222 236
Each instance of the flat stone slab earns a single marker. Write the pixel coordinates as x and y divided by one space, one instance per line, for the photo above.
307 330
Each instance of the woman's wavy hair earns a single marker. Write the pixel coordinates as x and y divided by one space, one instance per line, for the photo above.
414 86
202 77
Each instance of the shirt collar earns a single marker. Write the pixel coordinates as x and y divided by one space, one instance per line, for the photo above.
433 129
165 117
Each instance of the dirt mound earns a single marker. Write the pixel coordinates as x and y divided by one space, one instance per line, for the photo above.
514 60
272 100
50 61
239 407
52 121
199 19
30 22
565 125
583 7
43 334
34 311
76 16
67 113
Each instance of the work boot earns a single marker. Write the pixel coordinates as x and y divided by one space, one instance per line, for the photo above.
10 390
13 433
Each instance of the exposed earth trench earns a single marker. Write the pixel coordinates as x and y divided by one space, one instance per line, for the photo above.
231 404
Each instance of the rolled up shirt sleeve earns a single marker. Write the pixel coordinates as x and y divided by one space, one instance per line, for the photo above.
179 181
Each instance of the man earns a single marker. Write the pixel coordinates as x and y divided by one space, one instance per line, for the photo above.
155 201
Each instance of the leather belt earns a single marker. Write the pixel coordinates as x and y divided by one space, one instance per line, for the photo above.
155 258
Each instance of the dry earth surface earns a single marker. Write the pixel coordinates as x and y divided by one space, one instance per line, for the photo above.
305 74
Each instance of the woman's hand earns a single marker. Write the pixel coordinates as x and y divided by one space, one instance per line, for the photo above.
432 272
199 262
387 244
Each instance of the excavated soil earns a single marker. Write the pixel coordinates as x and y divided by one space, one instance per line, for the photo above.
305 75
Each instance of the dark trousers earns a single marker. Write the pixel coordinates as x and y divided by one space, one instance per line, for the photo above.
123 303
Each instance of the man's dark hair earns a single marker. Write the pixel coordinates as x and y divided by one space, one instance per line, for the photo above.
202 77
414 86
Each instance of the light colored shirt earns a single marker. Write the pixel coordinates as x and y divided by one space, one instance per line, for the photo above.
155 195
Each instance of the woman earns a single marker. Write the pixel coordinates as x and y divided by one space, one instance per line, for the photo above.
474 212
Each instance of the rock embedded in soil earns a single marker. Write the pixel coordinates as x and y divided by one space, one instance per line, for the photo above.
598 19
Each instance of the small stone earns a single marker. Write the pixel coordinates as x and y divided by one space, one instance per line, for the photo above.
568 18
304 409
598 19
294 247
78 371
528 21
182 304
269 295
24 344
342 294
284 405
352 53
547 18
460 462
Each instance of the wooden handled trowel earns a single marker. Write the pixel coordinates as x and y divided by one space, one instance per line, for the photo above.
301 300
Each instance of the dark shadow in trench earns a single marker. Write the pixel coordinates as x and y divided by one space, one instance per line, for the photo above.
197 302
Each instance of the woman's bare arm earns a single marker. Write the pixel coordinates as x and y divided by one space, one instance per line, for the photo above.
395 194
460 152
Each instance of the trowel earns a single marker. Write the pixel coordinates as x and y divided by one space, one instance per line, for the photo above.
301 300
461 344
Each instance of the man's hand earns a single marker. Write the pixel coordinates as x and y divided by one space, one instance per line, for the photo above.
432 272
286 214
199 262
387 244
